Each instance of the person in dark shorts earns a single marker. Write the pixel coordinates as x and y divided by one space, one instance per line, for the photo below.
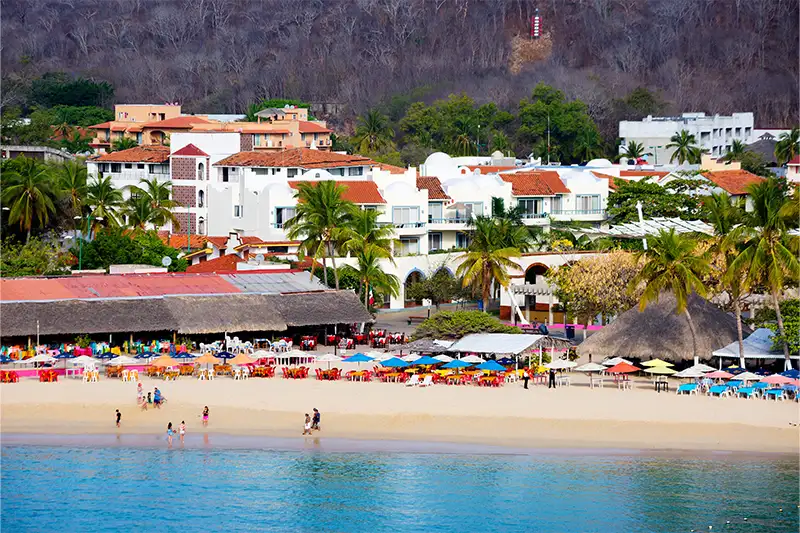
316 419
119 417
551 384
525 378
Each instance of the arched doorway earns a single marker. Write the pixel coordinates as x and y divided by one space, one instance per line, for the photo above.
444 275
201 172
536 311
415 276
535 274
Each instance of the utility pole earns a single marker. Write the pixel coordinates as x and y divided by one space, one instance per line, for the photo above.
479 140
188 227
548 139
641 224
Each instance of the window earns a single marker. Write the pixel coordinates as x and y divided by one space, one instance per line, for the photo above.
283 214
408 246
201 172
336 171
102 167
140 166
469 210
257 139
201 225
139 138
159 169
435 211
225 174
530 206
238 212
291 173
116 167
462 240
738 132
261 171
201 197
369 207
356 171
120 134
128 165
587 203
405 215
555 204
434 241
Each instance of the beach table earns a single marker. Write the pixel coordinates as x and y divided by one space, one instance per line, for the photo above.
595 382
661 385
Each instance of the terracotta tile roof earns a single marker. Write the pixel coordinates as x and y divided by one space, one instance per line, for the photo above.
226 263
190 150
489 169
265 244
434 186
176 240
102 125
535 183
242 127
137 154
185 122
392 169
733 181
358 192
311 127
294 157
635 173
219 242
795 160
250 239
611 179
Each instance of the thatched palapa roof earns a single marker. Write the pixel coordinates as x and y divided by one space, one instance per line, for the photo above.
657 332
212 314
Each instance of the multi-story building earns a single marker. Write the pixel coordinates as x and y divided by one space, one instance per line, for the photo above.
715 134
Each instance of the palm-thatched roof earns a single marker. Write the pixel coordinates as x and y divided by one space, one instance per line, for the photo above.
183 314
426 346
659 332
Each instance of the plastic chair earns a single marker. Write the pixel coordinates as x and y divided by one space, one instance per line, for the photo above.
125 375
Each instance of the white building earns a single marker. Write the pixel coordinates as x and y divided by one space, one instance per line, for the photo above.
712 133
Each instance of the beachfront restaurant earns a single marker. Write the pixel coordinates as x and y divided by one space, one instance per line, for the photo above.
527 346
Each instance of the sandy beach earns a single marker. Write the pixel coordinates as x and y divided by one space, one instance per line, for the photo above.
509 416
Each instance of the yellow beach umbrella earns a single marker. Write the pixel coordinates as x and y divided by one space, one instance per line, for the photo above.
663 370
165 361
242 359
657 363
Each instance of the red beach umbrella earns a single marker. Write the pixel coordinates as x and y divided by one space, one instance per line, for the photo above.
776 379
623 368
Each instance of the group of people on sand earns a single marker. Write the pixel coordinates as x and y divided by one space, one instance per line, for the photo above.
182 427
312 423
155 398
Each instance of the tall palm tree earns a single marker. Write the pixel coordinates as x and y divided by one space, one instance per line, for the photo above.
369 271
463 139
788 146
104 200
587 145
686 149
672 265
768 255
373 132
28 190
123 143
72 181
158 194
633 150
500 142
737 150
139 212
76 143
321 218
364 232
487 258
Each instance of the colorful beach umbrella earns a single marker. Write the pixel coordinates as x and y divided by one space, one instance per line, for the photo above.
184 355
357 358
426 360
793 373
776 379
747 376
719 374
105 356
394 362
656 362
623 368
225 355
506 361
5 359
143 355
242 359
456 363
590 367
561 364
165 361
491 366
207 359
661 370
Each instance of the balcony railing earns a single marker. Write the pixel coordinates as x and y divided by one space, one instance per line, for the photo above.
403 225
448 220
534 215
278 225
579 212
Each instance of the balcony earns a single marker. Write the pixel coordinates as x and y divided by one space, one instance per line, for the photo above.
589 215
438 224
535 219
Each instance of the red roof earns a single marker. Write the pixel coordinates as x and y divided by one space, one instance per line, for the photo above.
250 239
733 181
535 183
795 160
434 186
191 150
311 127
137 154
490 169
177 240
392 169
226 263
294 157
635 173
219 242
185 122
358 192
611 179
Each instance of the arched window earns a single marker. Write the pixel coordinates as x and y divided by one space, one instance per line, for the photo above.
201 226
201 172
201 198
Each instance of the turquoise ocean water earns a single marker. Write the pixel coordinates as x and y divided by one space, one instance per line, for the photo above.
149 488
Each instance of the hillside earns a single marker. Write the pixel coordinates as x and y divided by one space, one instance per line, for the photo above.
218 56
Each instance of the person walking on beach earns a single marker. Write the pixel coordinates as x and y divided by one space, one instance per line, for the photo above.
170 433
139 394
119 417
307 427
157 398
205 416
551 384
182 430
315 420
525 378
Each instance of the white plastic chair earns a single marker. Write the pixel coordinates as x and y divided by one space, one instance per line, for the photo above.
245 373
237 374
125 375
427 382
134 375
413 382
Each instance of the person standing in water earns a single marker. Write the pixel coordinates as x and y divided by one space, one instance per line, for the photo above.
182 430
315 420
205 416
170 433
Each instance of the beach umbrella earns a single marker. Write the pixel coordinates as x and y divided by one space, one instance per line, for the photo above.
505 361
123 360
242 359
207 359
703 368
691 372
39 358
394 362
793 373
84 360
143 355
776 379
491 366
661 370
357 358
656 362
410 357
379 356
473 359
184 355
443 358
105 356
164 361
64 356
623 368
225 355
719 374
590 367
456 363
427 360
327 358
733 369
746 376
615 361
259 354
761 372
561 364
5 359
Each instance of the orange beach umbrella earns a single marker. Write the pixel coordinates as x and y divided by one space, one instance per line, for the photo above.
165 361
623 368
207 359
241 359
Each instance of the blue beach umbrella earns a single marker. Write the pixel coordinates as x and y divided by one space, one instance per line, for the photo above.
106 355
456 363
793 373
357 358
183 355
505 361
224 355
5 359
491 365
394 362
64 355
426 360
143 355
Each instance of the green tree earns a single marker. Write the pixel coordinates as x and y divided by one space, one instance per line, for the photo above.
639 103
139 212
72 180
321 217
373 133
790 311
117 246
16 130
29 190
736 151
123 143
371 275
768 254
488 258
686 149
104 200
633 150
457 324
56 88
275 103
157 194
438 287
788 146
34 258
83 116
672 265
75 143
364 232
755 163
500 142
657 201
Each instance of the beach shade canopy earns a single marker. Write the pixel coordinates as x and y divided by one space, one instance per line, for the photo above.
145 355
394 362
747 376
443 358
123 360
656 362
793 373
623 368
242 359
293 354
661 370
165 361
184 355
506 343
327 358
777 379
590 367
692 372
84 360
410 357
719 374
207 359
491 366
659 332
505 361
561 364
430 346
357 358
473 359
263 353
5 359
224 355
427 360
64 355
758 345
615 361
39 358
456 363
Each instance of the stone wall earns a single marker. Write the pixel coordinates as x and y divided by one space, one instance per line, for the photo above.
184 195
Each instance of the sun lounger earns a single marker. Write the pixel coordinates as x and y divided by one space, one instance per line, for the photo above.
775 394
747 392
427 382
719 390
687 388
413 382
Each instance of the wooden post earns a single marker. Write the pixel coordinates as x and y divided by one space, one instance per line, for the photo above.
174 337
130 346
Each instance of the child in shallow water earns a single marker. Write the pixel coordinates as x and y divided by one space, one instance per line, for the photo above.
307 428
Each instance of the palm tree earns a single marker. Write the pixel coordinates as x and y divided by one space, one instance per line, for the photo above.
365 232
487 259
587 145
633 150
321 218
788 146
673 265
373 133
686 149
139 212
371 275
158 194
500 142
77 143
28 190
123 143
736 151
104 200
768 255
463 140
72 181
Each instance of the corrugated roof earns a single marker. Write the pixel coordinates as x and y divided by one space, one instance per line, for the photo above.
535 183
733 181
294 157
434 187
358 192
137 154
274 283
